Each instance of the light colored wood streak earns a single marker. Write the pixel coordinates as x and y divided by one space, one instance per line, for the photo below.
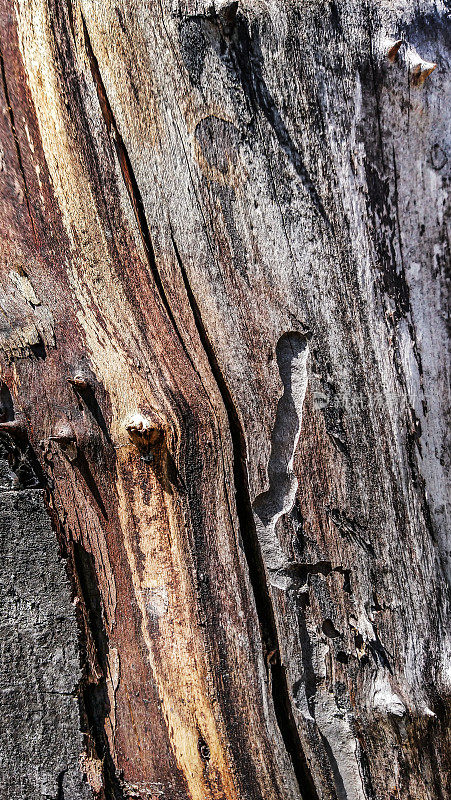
164 592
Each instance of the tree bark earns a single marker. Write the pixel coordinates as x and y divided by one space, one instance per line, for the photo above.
224 410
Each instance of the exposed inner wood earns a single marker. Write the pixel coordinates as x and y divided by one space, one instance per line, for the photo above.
224 353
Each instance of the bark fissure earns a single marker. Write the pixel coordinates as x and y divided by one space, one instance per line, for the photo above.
93 694
91 691
254 560
133 190
265 611
128 176
60 782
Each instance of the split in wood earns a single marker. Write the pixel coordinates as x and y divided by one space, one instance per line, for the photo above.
419 70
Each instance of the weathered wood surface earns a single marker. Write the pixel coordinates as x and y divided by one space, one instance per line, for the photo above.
227 220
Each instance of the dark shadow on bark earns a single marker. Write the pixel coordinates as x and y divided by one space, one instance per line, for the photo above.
85 471
93 698
87 396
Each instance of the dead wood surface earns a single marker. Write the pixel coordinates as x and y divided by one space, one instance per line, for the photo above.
224 463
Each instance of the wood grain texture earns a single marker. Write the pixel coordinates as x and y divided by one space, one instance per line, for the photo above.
229 221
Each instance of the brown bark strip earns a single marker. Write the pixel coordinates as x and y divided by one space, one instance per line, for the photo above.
127 174
16 141
132 187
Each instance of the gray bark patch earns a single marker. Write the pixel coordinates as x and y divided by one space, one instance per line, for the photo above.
40 738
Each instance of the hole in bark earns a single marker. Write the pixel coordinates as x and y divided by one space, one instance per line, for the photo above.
342 657
347 581
291 352
38 349
329 629
358 640
204 750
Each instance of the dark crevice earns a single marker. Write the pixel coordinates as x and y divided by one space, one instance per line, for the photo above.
242 495
93 694
251 545
204 750
379 652
83 467
6 404
16 141
265 611
350 528
87 399
396 204
60 780
38 349
70 14
365 769
132 187
330 630
128 176
340 790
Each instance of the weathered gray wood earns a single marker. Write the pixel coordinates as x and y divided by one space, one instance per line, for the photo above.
40 739
229 221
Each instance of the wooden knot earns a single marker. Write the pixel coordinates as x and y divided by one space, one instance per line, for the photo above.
80 382
419 69
145 434
64 435
392 47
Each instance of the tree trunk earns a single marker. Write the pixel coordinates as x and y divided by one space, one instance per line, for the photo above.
225 397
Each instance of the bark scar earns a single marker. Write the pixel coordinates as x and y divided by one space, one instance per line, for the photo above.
269 506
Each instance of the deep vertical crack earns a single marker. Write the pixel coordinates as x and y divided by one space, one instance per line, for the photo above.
263 601
93 696
257 574
92 693
127 174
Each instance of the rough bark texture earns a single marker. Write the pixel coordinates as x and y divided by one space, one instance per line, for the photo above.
220 221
